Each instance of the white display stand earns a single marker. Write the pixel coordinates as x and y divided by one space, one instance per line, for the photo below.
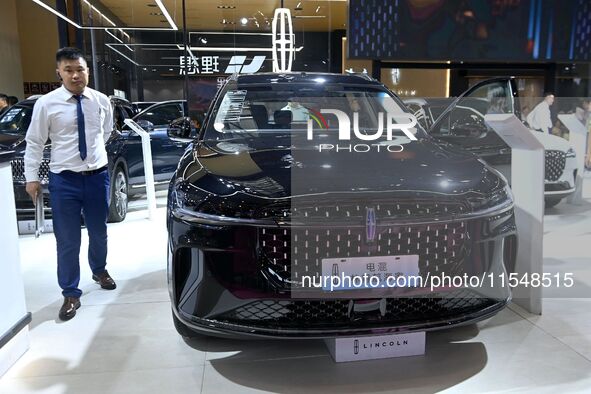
578 139
527 184
14 318
148 169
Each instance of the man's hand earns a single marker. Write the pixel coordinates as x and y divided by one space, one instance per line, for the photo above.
32 189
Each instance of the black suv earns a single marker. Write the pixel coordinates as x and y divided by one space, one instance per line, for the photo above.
124 151
276 195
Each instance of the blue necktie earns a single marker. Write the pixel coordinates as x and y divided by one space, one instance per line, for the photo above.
81 129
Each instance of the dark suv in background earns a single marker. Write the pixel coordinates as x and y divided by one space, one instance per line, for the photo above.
124 150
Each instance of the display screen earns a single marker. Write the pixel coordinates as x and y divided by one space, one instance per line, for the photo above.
480 30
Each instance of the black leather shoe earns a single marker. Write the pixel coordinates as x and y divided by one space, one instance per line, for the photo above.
105 280
68 309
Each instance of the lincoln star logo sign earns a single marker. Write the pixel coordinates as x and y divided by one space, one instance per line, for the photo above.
370 225
283 45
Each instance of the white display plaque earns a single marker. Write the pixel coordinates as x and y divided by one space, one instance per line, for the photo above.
28 226
376 347
527 184
578 140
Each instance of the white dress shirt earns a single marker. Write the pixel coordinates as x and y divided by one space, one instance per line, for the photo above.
299 113
539 118
55 117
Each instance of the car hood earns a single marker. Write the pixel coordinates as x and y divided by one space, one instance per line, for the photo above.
552 142
424 167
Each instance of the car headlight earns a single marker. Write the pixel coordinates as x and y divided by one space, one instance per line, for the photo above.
571 153
498 200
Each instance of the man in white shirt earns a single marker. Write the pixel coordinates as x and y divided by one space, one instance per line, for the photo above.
78 121
539 118
299 113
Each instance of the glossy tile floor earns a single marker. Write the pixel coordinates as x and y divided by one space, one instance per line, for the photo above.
123 341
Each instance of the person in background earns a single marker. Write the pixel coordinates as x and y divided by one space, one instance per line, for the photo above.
583 113
298 111
3 103
540 118
78 121
12 100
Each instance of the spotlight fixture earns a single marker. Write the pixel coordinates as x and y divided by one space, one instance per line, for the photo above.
243 21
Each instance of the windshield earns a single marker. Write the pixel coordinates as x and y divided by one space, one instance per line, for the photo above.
16 120
292 109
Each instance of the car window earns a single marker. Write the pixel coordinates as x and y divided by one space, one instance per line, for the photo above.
16 120
251 111
466 118
161 115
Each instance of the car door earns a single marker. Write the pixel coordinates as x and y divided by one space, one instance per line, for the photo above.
165 152
462 123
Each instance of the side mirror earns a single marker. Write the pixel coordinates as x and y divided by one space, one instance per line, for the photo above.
181 129
146 125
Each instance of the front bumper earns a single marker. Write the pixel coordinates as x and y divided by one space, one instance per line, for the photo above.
223 281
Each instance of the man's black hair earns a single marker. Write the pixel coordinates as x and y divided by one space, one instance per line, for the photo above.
546 94
12 100
4 97
68 53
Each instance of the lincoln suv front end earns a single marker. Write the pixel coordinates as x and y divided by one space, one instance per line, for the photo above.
273 198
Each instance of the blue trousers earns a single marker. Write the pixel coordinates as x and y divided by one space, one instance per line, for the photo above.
72 194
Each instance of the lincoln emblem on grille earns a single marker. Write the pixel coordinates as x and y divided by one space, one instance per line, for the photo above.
370 225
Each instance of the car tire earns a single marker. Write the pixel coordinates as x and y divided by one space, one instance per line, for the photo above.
551 202
182 329
119 196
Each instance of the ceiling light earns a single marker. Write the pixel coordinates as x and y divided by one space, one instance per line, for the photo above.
317 9
166 14
298 7
243 20
48 8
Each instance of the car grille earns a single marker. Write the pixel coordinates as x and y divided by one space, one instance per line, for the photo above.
554 164
334 313
286 254
18 170
356 211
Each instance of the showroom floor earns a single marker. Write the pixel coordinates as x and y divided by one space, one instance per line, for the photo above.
123 341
